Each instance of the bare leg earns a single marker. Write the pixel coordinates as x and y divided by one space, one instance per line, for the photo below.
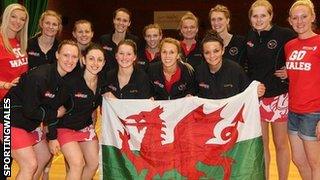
299 157
90 150
27 162
43 157
265 138
45 173
312 149
73 154
280 139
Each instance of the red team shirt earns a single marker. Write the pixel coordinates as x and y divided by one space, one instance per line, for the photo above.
303 67
12 65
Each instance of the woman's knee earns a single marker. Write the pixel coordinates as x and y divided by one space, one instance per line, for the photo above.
29 166
300 161
76 163
93 164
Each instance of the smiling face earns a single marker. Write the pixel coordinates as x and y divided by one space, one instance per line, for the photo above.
260 19
301 20
83 33
212 52
153 38
50 26
121 22
17 20
125 56
169 55
219 22
94 61
189 29
67 58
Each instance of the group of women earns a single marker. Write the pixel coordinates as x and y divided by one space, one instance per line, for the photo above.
59 94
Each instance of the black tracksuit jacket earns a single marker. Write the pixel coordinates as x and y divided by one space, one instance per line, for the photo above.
181 88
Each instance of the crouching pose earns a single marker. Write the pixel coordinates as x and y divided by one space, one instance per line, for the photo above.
38 98
74 132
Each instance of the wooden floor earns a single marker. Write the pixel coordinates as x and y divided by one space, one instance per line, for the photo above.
57 171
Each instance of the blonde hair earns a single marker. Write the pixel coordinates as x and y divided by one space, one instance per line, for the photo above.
150 26
263 3
71 43
177 44
188 16
22 35
51 13
223 9
220 8
307 3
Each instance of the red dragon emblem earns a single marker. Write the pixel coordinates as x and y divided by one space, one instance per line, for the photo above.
189 146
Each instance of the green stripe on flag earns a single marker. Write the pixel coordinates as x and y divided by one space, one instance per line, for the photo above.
248 164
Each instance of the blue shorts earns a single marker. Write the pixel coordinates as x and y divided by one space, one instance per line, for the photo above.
303 125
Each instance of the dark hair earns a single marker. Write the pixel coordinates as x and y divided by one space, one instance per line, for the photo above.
212 36
93 46
128 42
123 10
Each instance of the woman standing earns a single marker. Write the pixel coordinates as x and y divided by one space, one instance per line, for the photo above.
171 78
42 47
13 45
234 45
152 34
191 49
265 54
127 81
75 133
303 67
83 33
109 42
37 98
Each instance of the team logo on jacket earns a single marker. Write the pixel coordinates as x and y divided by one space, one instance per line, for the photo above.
250 44
158 84
141 62
112 87
182 87
32 53
133 91
228 85
80 95
233 51
204 85
107 48
272 44
49 94
197 55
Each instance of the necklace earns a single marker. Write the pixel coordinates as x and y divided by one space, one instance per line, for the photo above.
45 44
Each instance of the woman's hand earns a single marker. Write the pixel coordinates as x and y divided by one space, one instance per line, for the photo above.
54 146
109 95
9 85
61 111
261 90
281 73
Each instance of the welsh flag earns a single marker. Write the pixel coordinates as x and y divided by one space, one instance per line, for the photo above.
188 138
